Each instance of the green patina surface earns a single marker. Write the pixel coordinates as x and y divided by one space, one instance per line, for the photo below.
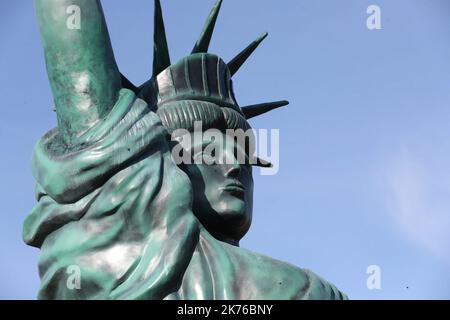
111 200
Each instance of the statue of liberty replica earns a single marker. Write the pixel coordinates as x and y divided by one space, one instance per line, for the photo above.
111 200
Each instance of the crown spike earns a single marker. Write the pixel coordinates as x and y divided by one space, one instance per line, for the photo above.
161 57
128 84
263 163
259 109
237 62
202 44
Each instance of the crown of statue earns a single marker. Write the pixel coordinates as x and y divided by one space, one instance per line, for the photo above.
198 87
200 76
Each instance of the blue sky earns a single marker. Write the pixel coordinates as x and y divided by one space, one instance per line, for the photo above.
364 151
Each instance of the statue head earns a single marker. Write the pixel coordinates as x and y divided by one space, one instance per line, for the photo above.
195 100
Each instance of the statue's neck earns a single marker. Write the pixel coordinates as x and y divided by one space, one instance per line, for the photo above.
224 238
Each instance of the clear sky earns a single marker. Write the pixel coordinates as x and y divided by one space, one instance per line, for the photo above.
364 145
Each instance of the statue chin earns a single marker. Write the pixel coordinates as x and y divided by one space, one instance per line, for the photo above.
227 220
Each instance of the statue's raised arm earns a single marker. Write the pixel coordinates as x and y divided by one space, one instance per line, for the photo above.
83 73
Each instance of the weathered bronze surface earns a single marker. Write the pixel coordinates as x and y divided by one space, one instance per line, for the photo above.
112 201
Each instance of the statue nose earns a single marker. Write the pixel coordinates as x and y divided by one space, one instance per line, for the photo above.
234 169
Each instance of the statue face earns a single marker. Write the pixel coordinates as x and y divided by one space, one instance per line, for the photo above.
223 192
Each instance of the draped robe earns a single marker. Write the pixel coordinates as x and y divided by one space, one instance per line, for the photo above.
119 209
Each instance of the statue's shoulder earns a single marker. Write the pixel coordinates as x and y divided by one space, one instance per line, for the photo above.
218 270
262 277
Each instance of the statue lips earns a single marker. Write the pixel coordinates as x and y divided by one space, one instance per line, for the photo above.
235 188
